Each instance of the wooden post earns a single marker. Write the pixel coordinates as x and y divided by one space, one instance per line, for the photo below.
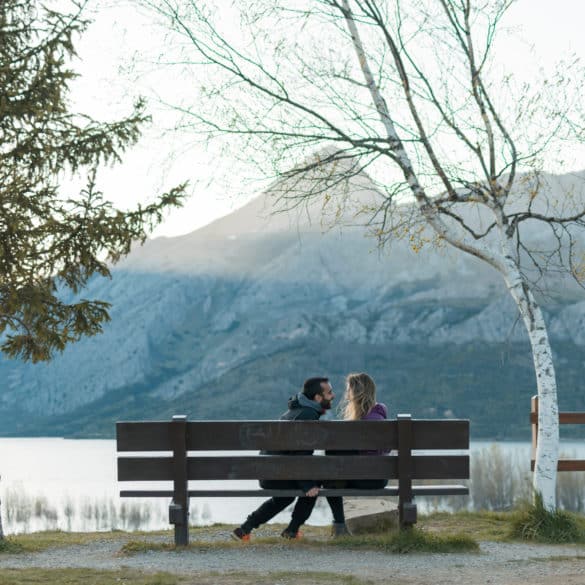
565 418
534 426
179 508
406 507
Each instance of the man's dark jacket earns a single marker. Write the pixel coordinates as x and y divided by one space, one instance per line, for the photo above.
300 408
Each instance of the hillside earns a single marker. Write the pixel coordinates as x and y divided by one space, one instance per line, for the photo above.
227 321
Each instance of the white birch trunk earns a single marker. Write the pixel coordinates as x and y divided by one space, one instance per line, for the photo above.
547 452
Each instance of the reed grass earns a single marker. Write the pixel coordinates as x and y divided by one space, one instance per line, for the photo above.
535 523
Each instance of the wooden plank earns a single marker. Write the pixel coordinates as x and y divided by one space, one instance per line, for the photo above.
426 490
146 494
572 418
145 468
566 465
294 467
144 436
259 435
289 435
440 490
325 467
440 467
565 418
571 465
260 493
440 434
292 435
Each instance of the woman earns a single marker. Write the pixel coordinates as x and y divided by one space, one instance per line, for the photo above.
359 403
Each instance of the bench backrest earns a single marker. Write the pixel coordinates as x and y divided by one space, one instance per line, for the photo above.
401 436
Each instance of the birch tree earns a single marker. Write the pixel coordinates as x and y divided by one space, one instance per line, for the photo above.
405 91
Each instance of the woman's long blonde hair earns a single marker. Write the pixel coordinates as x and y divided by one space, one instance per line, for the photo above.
359 397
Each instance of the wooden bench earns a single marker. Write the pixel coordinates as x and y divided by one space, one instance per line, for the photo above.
401 436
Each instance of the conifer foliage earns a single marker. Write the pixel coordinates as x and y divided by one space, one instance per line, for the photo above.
52 240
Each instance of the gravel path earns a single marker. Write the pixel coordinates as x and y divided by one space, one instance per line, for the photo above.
495 564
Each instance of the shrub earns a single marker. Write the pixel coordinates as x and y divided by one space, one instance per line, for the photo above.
8 545
535 522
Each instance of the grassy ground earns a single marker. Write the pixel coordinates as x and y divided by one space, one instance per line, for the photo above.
477 525
527 523
130 577
414 540
38 541
438 532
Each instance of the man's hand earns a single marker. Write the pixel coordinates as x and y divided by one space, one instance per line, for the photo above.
313 492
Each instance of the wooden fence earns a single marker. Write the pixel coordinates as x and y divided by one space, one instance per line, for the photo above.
565 418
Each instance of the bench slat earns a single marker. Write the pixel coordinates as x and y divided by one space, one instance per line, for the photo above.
565 465
294 467
301 435
565 418
144 436
425 490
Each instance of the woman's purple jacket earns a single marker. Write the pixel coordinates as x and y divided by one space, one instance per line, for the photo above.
378 412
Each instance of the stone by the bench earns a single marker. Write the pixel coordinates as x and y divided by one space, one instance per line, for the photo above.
371 515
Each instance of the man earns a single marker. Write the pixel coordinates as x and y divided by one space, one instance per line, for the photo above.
309 404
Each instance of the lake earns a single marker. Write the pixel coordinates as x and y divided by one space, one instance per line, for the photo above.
50 483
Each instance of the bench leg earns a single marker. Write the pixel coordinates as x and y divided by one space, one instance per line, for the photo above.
179 516
406 506
407 514
181 534
179 509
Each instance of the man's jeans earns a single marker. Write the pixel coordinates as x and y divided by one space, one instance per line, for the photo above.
273 506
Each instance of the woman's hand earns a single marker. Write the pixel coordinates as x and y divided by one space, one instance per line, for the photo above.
313 492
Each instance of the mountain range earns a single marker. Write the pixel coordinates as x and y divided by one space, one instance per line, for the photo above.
227 321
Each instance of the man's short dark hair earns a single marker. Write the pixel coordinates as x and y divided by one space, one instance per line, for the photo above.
312 386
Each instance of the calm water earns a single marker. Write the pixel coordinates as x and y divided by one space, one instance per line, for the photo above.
71 485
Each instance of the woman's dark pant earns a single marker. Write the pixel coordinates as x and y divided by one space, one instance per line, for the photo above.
336 502
274 505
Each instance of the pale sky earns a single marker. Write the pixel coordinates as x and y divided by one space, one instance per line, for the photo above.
544 32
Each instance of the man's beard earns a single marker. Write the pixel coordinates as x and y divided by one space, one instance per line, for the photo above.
325 404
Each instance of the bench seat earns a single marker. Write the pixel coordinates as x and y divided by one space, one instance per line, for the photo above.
421 490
